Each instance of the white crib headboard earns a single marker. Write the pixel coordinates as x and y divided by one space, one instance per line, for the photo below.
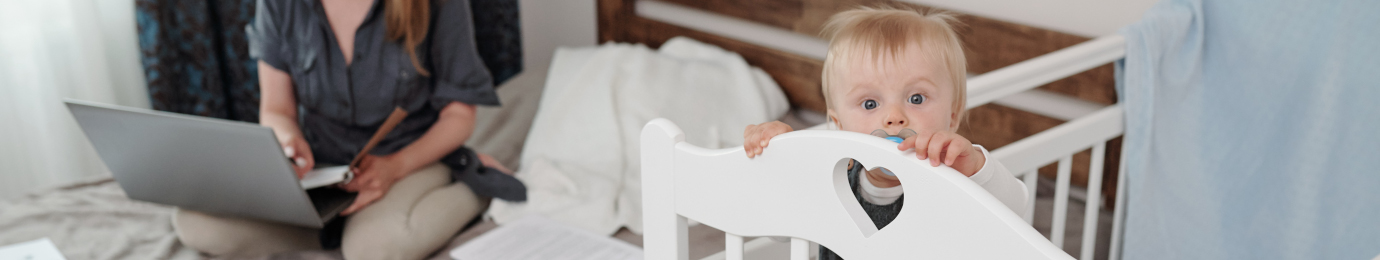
797 188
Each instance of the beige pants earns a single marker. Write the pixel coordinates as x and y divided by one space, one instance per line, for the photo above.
417 216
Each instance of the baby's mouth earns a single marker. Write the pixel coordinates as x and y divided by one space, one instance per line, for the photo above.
898 137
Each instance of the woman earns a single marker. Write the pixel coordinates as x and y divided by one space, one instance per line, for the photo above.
330 72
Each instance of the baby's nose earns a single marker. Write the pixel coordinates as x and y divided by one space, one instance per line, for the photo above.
895 121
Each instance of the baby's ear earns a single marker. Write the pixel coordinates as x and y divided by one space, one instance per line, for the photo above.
955 120
834 120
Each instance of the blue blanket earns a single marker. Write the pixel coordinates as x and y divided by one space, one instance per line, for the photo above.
1253 130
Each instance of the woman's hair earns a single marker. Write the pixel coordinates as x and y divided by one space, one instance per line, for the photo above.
407 22
884 32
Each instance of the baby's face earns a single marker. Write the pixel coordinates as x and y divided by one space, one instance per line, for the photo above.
914 91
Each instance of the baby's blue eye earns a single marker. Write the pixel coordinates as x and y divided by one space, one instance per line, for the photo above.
869 104
917 99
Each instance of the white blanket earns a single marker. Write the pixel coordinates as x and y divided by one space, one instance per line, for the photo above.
580 161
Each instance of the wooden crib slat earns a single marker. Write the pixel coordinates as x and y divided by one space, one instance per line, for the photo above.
1092 206
1061 201
733 247
1031 179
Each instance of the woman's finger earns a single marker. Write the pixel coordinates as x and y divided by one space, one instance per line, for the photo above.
309 161
362 200
357 184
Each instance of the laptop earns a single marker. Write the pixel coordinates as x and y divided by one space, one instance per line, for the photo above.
204 164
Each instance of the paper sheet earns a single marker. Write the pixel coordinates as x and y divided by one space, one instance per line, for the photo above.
537 238
325 176
41 249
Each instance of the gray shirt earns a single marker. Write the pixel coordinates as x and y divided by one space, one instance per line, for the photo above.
340 106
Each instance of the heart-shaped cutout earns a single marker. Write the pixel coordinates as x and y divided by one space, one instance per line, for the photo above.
849 177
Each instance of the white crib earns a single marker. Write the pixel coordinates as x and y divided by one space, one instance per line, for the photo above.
716 188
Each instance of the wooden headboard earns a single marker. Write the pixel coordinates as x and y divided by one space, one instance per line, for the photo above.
989 44
797 75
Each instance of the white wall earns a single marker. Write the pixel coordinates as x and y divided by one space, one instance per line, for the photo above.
1088 18
83 49
547 24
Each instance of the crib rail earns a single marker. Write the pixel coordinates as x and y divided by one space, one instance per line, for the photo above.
1027 75
1058 144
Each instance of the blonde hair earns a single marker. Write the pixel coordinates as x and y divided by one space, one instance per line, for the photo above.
408 22
885 31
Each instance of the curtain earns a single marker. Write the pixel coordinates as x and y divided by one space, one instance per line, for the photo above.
197 61
196 57
57 49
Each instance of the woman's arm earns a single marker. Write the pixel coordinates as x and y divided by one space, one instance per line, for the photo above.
376 174
452 128
278 110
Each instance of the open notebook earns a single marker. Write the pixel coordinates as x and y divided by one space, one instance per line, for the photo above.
324 176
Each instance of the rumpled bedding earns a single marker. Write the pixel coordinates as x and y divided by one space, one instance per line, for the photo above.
580 160
93 219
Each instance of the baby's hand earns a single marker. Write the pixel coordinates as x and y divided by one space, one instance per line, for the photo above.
948 147
755 138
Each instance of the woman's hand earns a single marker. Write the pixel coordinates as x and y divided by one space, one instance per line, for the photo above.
299 153
374 176
947 147
278 110
756 137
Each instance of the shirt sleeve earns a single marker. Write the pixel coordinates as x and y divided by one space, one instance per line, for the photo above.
265 35
458 71
997 180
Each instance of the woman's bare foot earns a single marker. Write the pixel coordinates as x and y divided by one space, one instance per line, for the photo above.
490 162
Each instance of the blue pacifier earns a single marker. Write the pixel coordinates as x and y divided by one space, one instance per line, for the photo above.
898 138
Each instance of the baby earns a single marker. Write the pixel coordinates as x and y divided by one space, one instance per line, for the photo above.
901 72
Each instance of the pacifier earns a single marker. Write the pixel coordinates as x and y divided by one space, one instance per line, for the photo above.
898 138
